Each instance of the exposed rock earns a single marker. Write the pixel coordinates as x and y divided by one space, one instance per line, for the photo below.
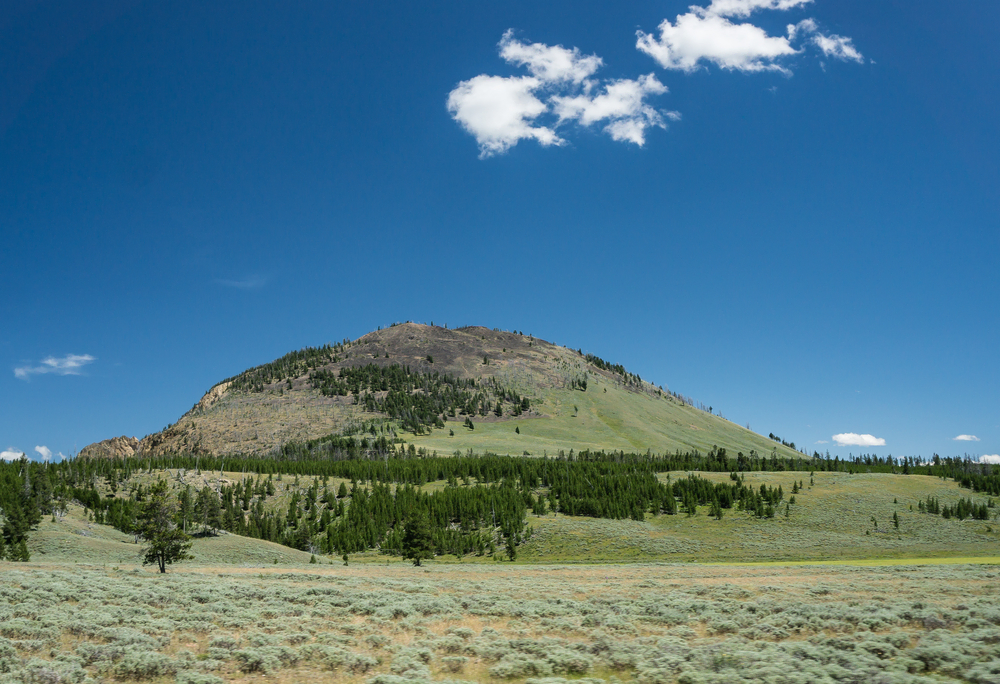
116 447
212 396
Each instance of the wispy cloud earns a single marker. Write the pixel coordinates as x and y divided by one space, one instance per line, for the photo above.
254 282
823 441
561 89
71 364
10 454
965 438
992 459
44 452
854 439
838 47
708 35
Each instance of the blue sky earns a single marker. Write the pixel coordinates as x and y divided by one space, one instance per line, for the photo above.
797 226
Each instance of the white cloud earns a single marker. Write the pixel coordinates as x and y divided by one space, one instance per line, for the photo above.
71 364
803 27
854 439
743 8
706 34
713 38
965 438
44 452
501 111
622 104
838 47
498 112
550 64
992 459
823 441
11 454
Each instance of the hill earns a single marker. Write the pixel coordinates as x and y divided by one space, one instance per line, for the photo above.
445 390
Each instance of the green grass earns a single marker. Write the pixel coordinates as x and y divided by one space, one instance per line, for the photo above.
76 540
829 521
612 420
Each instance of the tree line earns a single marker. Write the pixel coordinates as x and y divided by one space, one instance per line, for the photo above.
588 483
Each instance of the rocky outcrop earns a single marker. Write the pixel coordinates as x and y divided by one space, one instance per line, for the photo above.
212 396
116 447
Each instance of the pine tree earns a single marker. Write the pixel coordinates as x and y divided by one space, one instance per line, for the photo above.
417 542
511 548
209 509
165 542
185 511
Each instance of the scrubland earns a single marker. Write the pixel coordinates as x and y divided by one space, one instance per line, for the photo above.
397 624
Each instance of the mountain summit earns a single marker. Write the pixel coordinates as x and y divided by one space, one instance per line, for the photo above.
447 390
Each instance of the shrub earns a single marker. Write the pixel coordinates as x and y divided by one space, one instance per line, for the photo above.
144 665
359 664
226 643
193 677
520 665
255 660
454 663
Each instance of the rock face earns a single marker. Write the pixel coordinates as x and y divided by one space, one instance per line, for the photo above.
116 447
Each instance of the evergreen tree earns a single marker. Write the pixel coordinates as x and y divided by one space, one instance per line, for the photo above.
417 542
511 548
209 509
165 542
185 507
15 529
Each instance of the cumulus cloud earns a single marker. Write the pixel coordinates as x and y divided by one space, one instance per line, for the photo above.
44 452
550 64
854 439
806 26
622 104
71 364
561 89
965 438
698 36
499 112
10 454
708 35
992 459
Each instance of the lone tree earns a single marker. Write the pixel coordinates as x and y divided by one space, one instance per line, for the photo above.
166 542
417 541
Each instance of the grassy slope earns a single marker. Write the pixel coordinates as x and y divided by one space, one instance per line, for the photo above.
75 540
828 522
615 419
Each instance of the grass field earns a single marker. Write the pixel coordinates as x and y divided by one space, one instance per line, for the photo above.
605 417
398 624
831 520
